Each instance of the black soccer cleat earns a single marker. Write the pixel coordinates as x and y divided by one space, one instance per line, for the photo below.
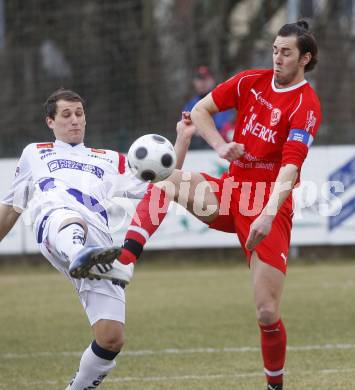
90 256
274 386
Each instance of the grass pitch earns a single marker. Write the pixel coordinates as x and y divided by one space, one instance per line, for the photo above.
189 326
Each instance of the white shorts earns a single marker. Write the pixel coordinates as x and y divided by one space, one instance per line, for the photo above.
100 298
102 307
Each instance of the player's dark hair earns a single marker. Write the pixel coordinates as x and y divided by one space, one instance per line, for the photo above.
306 42
50 106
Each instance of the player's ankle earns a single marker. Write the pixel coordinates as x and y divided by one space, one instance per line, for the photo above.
126 256
274 386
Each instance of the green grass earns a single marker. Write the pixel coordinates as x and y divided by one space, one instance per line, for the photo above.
175 313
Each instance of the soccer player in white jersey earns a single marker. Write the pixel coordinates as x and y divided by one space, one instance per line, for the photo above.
66 187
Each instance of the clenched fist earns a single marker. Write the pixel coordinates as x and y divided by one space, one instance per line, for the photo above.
230 151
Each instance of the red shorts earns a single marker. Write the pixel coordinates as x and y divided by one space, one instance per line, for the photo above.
239 205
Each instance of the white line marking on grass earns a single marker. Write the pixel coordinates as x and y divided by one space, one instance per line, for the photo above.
177 351
320 347
329 371
223 376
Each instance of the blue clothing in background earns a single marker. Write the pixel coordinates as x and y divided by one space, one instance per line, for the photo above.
220 119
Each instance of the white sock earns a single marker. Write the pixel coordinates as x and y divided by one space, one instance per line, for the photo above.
92 370
70 241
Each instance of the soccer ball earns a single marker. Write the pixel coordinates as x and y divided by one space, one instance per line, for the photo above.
151 158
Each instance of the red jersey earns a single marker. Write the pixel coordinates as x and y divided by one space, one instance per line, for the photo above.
277 126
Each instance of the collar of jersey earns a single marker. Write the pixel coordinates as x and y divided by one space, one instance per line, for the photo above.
68 146
293 87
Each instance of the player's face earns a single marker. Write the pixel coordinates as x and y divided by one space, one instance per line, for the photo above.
288 64
203 86
69 122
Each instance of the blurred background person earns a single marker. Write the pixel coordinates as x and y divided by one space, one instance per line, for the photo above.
203 83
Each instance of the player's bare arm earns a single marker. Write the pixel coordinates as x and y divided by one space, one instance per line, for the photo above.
8 218
201 116
284 184
185 129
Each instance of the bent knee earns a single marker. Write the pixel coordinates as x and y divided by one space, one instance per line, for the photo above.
112 343
267 315
109 334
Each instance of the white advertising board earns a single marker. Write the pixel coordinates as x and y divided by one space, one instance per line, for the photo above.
324 212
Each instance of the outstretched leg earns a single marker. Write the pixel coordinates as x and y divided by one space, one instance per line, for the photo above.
190 190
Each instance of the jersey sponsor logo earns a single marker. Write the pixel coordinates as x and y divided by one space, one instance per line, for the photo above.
46 153
255 165
284 257
256 94
100 151
310 121
101 158
300 135
259 130
248 156
275 117
69 164
48 145
260 99
43 151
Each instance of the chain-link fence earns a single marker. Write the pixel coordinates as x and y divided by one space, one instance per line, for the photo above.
132 61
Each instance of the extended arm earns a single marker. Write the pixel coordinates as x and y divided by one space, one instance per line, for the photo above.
8 218
284 184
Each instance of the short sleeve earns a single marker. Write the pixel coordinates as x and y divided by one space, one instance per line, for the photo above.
304 124
228 94
126 184
22 186
306 119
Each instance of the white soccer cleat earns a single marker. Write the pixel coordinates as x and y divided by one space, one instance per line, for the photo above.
117 272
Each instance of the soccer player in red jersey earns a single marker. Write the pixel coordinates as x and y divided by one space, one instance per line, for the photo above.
278 117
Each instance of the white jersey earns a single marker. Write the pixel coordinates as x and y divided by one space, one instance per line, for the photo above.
56 175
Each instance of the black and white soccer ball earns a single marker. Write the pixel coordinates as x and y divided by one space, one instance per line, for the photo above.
151 158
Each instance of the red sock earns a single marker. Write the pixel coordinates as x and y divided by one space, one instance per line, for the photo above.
150 212
273 347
